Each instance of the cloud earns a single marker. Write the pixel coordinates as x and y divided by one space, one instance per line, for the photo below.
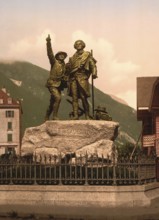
122 71
129 96
32 48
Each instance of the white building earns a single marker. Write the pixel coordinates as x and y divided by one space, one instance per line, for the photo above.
10 124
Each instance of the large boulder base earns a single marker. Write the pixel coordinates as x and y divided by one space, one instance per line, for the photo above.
70 137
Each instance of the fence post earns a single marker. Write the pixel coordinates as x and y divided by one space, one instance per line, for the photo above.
157 169
11 171
86 170
97 175
102 170
45 160
35 157
114 166
75 169
60 166
139 170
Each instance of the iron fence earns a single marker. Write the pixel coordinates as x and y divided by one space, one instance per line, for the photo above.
82 170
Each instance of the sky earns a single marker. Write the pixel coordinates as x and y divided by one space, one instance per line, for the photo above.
123 35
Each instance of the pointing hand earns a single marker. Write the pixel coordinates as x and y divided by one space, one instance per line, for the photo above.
48 38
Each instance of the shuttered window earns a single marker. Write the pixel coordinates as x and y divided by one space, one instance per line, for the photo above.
9 114
9 137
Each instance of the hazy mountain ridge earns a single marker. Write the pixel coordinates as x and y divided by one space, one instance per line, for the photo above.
36 97
119 99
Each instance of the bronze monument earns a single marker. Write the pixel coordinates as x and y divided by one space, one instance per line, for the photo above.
79 68
55 81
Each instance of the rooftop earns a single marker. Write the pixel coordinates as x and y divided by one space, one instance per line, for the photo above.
145 91
6 100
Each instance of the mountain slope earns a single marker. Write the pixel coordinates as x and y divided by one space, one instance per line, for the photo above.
31 89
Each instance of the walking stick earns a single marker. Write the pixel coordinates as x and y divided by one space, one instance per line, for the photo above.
92 90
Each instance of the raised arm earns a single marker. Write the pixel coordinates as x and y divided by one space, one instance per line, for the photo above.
50 53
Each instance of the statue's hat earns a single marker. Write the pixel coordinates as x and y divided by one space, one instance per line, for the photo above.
60 52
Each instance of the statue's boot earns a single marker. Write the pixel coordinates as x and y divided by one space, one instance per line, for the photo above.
55 110
87 117
86 108
48 113
49 109
75 110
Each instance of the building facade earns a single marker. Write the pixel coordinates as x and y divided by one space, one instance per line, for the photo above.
148 111
10 124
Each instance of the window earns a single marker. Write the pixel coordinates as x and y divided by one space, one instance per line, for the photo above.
148 126
1 101
9 137
9 125
9 100
9 114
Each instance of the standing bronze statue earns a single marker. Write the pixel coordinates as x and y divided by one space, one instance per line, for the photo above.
80 66
55 81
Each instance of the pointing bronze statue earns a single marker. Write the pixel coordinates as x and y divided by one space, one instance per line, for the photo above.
55 80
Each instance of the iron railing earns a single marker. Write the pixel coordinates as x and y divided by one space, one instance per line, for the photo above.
83 170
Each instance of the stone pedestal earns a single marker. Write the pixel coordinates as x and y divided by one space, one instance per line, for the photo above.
71 137
79 202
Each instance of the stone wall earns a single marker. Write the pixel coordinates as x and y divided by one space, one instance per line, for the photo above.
76 200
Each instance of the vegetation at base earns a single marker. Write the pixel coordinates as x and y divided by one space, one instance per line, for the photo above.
128 148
